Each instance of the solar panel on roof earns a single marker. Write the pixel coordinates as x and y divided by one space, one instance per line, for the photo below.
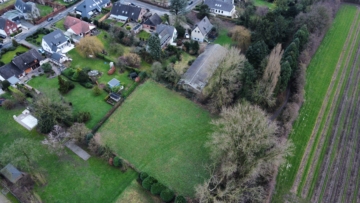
57 36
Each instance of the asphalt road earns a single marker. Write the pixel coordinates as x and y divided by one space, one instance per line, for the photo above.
33 29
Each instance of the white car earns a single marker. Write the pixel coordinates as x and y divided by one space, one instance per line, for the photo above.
187 36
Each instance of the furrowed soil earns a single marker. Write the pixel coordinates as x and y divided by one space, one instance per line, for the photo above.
325 165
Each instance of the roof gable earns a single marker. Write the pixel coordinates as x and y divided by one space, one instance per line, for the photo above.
55 38
23 7
119 9
204 25
70 21
154 20
23 61
165 33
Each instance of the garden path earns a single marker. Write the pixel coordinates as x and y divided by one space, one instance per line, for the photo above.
77 150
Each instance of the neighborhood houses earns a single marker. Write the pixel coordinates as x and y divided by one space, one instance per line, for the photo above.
126 12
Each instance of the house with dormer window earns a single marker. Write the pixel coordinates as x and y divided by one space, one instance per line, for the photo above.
201 30
56 42
88 7
125 13
221 7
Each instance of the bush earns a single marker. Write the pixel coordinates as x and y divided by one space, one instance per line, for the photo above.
117 162
191 62
87 85
167 195
132 60
143 175
148 182
157 188
173 59
180 199
128 27
46 67
64 85
96 90
8 104
82 117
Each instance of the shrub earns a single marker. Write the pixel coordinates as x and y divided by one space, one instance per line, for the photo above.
82 117
133 60
180 199
86 85
96 90
128 27
156 188
8 104
117 162
173 59
64 85
5 85
167 195
148 182
191 62
46 67
143 175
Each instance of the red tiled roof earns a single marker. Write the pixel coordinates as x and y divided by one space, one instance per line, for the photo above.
76 25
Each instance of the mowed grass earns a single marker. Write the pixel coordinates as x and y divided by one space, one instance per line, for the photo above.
135 193
8 56
162 133
263 3
69 178
318 77
223 38
44 10
60 24
82 99
7 3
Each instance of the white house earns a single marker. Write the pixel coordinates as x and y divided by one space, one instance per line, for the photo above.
201 30
167 34
56 42
125 12
28 9
223 8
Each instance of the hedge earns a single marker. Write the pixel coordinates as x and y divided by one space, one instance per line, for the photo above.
117 162
167 195
148 182
180 199
157 188
143 175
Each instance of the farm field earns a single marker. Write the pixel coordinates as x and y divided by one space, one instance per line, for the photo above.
325 165
162 133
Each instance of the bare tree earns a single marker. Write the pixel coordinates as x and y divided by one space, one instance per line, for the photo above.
241 36
244 146
78 131
90 45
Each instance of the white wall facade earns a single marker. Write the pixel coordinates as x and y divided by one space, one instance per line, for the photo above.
197 35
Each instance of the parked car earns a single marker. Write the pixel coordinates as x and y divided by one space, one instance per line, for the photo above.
41 51
187 36
50 19
190 2
132 4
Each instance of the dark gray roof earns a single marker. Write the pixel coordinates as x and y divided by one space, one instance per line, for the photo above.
9 70
154 20
22 6
203 67
55 56
11 173
55 38
2 23
218 4
89 5
204 25
129 11
24 60
165 33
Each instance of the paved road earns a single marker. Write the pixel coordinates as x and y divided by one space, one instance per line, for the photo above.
33 29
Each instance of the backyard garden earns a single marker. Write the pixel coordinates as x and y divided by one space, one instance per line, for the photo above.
162 133
8 54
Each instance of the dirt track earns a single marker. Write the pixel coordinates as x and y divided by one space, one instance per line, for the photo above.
305 158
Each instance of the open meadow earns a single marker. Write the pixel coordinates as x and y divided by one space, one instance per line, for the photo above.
325 165
162 133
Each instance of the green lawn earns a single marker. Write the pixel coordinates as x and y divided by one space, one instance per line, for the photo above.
162 133
223 38
134 193
8 56
7 3
181 65
113 22
263 3
143 35
318 77
60 24
70 179
37 41
44 10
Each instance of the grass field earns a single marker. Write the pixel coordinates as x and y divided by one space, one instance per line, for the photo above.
143 35
44 10
8 56
7 3
330 92
60 24
223 38
263 3
134 193
37 41
162 133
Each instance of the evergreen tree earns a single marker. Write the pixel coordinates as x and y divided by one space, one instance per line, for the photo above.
303 35
256 53
154 47
177 6
285 75
248 79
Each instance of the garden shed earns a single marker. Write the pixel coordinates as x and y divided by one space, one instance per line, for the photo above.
11 173
114 83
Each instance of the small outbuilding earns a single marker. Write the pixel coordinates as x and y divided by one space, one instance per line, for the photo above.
11 173
26 120
114 83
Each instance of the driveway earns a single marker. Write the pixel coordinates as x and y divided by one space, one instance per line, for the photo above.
3 199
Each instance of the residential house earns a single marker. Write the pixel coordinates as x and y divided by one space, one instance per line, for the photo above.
152 22
56 41
201 30
20 66
13 15
124 12
7 27
11 173
28 9
202 69
58 59
76 28
167 34
88 7
219 7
